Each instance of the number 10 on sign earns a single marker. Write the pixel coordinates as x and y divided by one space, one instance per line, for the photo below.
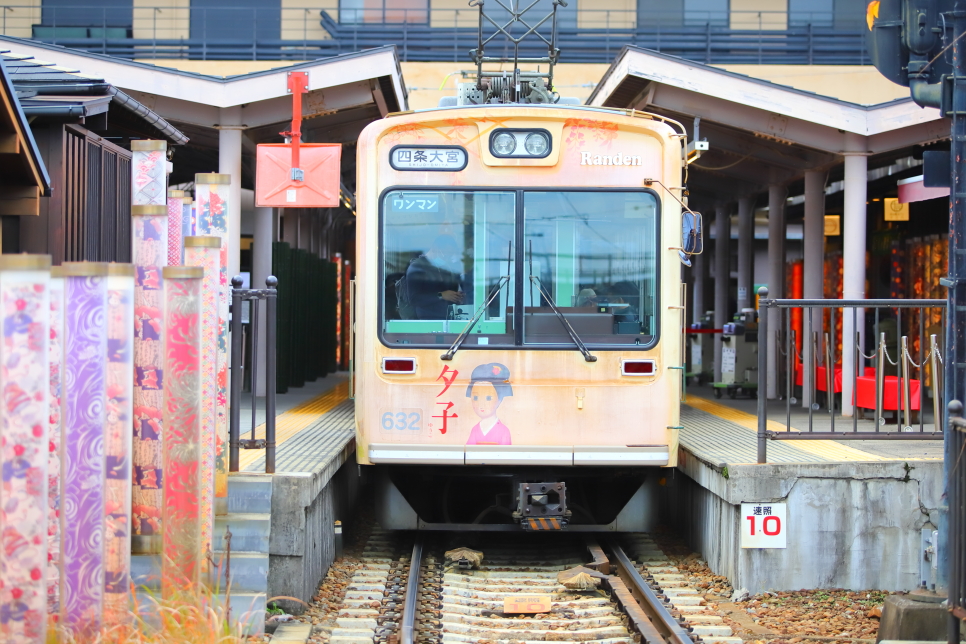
763 525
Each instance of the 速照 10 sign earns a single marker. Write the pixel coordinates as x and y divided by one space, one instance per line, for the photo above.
763 525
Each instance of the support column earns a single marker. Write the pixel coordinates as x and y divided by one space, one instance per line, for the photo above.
230 162
262 268
700 272
290 227
746 252
722 278
814 252
776 279
853 258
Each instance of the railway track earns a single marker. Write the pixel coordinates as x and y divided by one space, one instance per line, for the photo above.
453 604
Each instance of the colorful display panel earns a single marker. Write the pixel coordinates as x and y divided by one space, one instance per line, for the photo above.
82 449
149 164
25 382
211 219
205 252
120 366
150 253
181 564
175 213
55 365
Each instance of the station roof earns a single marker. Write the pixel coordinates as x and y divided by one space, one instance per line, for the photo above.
760 131
346 93
25 177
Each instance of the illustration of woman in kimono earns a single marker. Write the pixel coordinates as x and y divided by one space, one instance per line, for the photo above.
489 385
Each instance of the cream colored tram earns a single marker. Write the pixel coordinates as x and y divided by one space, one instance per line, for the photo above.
518 316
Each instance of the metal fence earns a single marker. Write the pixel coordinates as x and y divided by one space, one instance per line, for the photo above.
895 347
424 33
956 525
255 297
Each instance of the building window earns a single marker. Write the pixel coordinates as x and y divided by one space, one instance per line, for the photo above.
383 11
238 20
817 13
699 13
64 19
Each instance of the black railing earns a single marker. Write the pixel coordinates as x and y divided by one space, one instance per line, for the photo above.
956 525
811 366
254 297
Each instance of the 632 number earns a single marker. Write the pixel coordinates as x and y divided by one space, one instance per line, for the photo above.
401 420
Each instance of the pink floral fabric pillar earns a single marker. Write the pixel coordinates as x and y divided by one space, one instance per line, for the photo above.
175 209
24 423
149 178
211 219
149 251
120 385
206 253
82 448
182 557
55 364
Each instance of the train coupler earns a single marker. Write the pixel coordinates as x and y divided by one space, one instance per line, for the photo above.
543 506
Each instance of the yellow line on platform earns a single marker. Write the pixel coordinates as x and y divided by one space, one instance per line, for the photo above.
825 448
295 420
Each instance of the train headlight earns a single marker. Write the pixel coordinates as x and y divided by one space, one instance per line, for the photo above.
504 144
537 144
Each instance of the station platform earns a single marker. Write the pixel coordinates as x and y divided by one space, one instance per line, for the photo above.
855 509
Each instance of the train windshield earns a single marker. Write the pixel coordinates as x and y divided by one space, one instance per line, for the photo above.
446 252
594 253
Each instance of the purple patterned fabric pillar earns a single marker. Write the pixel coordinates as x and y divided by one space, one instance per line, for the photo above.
187 217
182 557
120 385
25 386
211 206
149 250
206 253
175 208
56 366
82 448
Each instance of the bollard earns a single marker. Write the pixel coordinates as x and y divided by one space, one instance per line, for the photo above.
906 413
25 382
82 445
880 382
182 556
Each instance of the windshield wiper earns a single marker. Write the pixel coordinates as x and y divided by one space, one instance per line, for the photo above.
560 316
479 311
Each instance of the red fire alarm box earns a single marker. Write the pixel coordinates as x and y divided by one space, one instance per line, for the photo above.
319 187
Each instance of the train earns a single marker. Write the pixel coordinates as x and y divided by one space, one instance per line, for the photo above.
518 315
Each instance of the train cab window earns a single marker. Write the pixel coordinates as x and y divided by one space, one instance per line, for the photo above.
594 254
443 254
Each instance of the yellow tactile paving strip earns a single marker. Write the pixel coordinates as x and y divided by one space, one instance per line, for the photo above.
827 449
295 420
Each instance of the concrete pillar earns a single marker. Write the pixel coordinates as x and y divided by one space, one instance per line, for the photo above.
776 279
853 257
722 278
230 162
264 235
814 252
746 252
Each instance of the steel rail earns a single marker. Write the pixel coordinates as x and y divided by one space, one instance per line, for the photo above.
659 615
407 627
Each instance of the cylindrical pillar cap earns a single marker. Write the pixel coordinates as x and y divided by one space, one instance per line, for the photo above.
24 262
149 211
187 201
144 145
174 194
120 270
202 242
182 272
213 178
84 269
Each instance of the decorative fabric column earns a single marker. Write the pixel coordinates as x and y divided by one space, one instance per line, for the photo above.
118 446
149 251
187 217
82 448
25 383
149 178
205 252
55 365
175 231
211 196
182 556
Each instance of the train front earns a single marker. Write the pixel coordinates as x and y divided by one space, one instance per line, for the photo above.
517 317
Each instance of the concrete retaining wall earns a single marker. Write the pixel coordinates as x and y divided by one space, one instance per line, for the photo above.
305 508
849 525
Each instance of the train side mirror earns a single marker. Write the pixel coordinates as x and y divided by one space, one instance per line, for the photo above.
692 241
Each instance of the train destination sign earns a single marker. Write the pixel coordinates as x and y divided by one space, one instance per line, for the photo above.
763 525
442 158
